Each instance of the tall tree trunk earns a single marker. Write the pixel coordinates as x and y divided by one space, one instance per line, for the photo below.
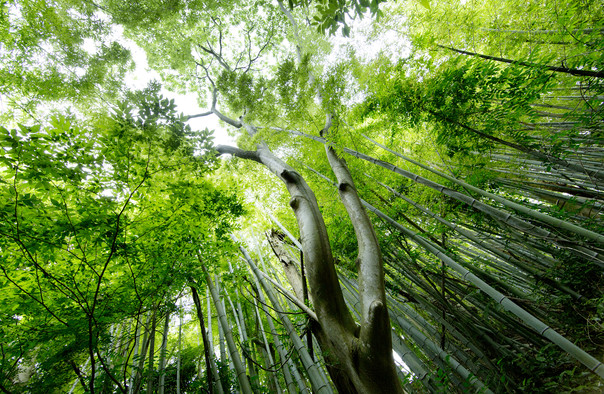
162 354
150 372
283 356
318 381
210 338
499 251
133 371
178 362
275 387
538 326
244 383
206 342
136 385
224 360
364 355
247 351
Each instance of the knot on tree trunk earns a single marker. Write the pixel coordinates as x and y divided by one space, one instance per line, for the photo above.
294 202
377 317
343 186
288 176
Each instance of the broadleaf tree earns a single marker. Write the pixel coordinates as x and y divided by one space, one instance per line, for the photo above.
447 200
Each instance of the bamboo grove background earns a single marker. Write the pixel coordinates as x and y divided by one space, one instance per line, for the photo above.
480 157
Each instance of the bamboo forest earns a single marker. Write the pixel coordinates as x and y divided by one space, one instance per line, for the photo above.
303 196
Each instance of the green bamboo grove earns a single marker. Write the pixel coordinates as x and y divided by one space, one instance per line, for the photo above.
411 200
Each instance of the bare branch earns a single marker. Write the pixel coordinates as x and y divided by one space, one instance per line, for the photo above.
206 69
289 265
235 123
243 154
218 56
201 115
319 260
266 44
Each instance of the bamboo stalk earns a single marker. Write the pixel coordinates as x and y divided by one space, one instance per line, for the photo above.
520 208
318 379
589 361
244 383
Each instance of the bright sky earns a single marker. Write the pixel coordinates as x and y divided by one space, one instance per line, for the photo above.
187 104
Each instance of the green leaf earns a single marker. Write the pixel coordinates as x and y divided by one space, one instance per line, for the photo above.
425 3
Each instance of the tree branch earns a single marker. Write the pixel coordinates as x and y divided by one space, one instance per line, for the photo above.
201 115
287 262
243 154
215 55
323 280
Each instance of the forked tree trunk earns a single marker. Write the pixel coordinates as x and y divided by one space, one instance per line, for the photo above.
363 352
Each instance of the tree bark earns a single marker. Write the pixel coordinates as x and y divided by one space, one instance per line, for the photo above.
244 383
376 363
151 352
162 354
206 344
363 354
287 263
